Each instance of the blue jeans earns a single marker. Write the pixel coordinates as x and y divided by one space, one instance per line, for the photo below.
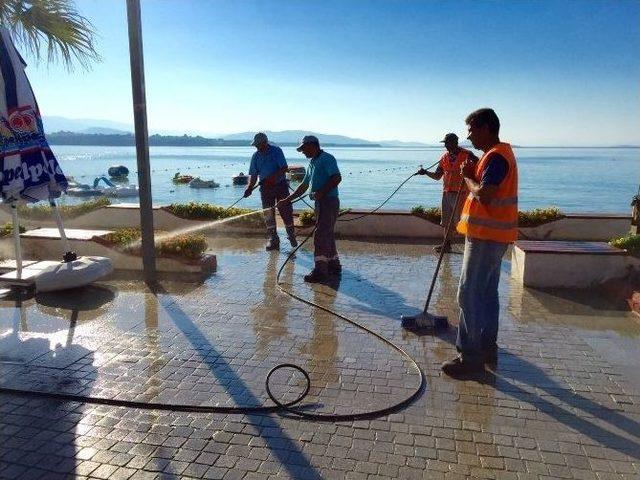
478 297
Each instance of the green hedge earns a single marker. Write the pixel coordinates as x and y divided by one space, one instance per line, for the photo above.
307 218
433 214
189 246
630 243
7 229
43 212
529 218
539 216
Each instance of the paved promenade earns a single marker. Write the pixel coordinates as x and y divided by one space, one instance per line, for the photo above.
563 401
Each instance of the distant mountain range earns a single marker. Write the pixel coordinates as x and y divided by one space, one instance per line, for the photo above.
94 128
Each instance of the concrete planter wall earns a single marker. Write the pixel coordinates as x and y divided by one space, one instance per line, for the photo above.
591 227
388 224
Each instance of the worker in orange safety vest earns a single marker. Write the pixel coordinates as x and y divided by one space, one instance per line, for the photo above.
489 222
449 170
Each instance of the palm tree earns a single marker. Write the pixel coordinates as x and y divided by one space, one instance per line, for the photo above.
54 24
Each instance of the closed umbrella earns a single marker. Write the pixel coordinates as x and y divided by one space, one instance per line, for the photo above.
29 171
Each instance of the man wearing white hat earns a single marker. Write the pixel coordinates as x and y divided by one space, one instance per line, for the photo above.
323 176
268 164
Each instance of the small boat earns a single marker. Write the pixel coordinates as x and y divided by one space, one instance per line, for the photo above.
112 190
121 191
77 189
296 173
118 172
199 183
82 190
240 179
177 178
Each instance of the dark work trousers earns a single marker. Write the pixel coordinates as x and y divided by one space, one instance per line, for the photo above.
269 197
324 240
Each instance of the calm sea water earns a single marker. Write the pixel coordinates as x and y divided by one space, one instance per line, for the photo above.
573 179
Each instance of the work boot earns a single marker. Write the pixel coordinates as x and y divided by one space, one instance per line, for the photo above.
334 267
445 246
491 355
291 235
273 243
319 273
459 367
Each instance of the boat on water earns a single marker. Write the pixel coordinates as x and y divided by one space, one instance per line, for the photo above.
110 190
113 190
118 172
296 173
82 190
199 183
177 178
240 179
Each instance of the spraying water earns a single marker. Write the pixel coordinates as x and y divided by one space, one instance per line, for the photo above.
196 228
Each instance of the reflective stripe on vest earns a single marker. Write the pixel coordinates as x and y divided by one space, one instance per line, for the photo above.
452 180
486 222
496 219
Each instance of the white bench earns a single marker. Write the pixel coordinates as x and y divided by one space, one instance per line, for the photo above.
568 264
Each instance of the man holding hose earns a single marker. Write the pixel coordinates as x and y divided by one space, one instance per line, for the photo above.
323 176
489 222
449 170
268 164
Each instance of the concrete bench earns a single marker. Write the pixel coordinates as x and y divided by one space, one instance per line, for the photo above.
568 264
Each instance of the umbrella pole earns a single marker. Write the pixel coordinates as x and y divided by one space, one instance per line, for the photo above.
16 239
68 256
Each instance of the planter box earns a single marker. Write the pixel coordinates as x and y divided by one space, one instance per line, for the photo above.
598 227
385 224
556 264
45 244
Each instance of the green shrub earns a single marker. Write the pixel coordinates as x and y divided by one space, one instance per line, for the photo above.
43 212
189 246
432 214
539 216
207 211
7 229
630 243
307 218
123 237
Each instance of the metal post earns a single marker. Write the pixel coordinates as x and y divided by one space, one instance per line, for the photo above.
16 239
142 138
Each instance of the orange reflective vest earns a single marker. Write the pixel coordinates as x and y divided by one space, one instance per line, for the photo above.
496 220
452 178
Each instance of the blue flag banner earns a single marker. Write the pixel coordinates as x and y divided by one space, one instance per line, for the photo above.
29 171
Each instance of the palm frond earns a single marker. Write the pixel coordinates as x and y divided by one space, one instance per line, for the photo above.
54 25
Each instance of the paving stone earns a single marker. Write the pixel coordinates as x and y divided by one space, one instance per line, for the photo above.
552 408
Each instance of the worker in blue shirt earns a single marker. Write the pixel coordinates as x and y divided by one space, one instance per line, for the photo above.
323 176
269 165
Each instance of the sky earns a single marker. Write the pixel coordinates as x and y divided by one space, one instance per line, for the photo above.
556 72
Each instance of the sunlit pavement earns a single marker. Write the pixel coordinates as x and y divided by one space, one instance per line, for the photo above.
563 401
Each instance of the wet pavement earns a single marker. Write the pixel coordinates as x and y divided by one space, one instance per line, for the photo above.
563 402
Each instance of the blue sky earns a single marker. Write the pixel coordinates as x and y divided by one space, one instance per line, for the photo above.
556 72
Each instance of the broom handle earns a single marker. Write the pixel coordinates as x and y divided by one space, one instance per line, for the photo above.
442 252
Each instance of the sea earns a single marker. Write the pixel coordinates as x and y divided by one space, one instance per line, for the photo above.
572 179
